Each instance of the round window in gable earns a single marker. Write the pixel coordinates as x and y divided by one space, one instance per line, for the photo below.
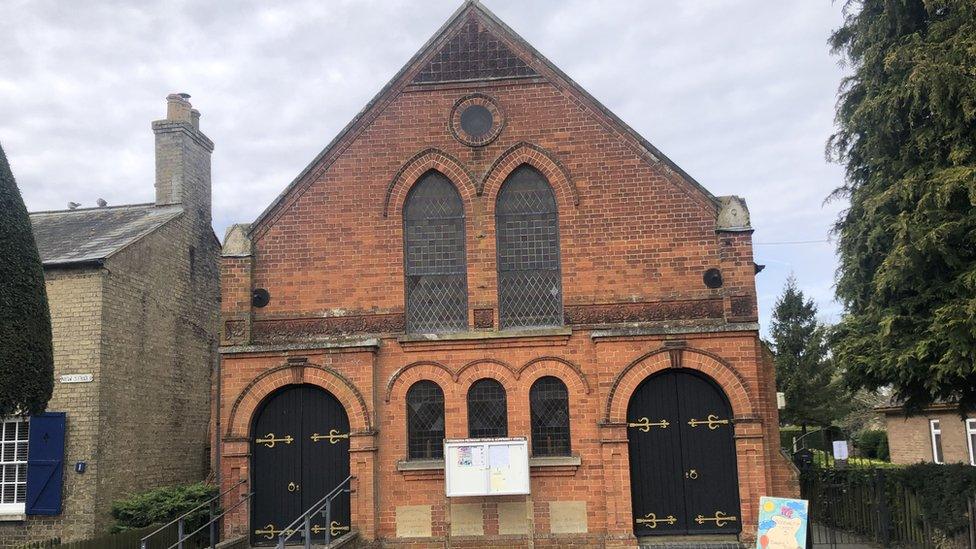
476 120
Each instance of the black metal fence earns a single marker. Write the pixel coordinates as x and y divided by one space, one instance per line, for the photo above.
865 507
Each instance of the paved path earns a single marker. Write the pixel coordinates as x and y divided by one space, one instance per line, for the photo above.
842 540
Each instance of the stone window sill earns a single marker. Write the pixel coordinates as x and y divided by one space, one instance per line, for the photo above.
12 517
438 464
475 339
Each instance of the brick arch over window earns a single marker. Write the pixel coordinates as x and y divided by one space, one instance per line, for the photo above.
417 166
567 196
242 411
407 375
735 387
568 372
503 369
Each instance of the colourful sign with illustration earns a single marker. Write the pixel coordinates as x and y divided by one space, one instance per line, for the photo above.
782 523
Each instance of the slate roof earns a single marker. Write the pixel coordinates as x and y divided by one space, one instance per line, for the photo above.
88 235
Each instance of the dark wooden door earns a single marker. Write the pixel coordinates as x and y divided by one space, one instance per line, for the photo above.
682 457
299 453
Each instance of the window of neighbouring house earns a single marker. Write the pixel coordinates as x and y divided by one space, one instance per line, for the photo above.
935 428
434 259
549 407
13 465
487 410
971 438
425 421
527 240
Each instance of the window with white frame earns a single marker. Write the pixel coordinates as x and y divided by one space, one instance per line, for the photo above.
13 465
971 438
935 429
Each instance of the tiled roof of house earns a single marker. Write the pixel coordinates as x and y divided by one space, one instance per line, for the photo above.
91 234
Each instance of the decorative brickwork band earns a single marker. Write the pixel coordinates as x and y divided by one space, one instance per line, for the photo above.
418 165
742 307
484 319
299 329
537 157
614 313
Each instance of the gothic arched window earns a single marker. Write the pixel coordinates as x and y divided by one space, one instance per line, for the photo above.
425 421
549 407
434 260
487 409
527 238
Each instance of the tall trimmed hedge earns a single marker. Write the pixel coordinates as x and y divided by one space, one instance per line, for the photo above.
26 356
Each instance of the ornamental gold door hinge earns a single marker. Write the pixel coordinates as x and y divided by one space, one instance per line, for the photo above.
269 440
720 519
333 437
270 532
335 529
651 520
644 424
712 422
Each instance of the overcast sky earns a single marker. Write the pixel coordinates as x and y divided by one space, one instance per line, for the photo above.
740 94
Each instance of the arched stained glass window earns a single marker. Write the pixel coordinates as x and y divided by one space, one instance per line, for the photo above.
549 406
425 421
434 259
487 409
527 238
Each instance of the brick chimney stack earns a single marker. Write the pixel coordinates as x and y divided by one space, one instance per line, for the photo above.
183 159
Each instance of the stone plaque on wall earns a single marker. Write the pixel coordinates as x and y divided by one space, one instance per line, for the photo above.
567 517
512 518
467 519
413 521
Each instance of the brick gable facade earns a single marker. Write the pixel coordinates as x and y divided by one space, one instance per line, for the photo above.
636 236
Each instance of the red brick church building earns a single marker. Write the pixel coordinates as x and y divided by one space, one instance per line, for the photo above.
487 251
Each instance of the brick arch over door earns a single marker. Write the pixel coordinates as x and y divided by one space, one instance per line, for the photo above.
418 165
242 411
725 376
567 196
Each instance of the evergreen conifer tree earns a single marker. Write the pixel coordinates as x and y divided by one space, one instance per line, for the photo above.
804 369
26 357
907 136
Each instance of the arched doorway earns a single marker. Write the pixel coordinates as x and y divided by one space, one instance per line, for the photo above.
683 476
299 453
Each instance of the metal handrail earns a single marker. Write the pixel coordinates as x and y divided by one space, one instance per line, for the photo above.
306 517
144 542
211 523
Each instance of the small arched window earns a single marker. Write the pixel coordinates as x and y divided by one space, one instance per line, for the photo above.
549 406
527 239
487 409
425 421
434 260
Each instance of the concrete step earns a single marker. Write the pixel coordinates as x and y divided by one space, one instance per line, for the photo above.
689 542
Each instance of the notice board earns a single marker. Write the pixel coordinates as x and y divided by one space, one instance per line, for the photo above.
486 466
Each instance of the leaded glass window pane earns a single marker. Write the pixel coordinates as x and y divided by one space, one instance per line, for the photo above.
425 421
549 405
527 233
487 410
434 259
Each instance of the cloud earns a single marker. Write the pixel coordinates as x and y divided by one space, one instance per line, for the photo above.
739 94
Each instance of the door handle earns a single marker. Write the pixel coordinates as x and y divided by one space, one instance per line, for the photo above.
691 474
292 487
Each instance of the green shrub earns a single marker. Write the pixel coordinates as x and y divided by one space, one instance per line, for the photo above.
873 444
162 505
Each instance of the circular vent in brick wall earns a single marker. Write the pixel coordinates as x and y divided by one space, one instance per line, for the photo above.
476 120
713 278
